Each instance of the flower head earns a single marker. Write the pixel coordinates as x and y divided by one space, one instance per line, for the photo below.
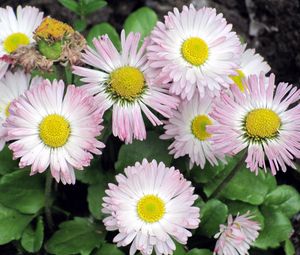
262 119
195 50
52 29
188 129
16 30
150 205
237 236
12 85
49 128
124 81
251 63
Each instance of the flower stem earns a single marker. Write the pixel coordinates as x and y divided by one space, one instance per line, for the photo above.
229 177
48 201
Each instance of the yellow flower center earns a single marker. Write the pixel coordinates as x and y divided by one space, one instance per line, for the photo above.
238 80
199 124
262 123
150 208
7 113
53 29
195 51
128 82
54 130
14 41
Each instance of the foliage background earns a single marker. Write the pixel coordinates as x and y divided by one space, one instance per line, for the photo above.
270 26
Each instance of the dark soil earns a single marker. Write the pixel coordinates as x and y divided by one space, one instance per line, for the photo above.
271 26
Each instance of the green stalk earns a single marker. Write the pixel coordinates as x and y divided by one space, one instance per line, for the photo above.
48 201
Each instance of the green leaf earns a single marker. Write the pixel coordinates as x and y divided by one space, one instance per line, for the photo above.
92 174
19 190
277 229
93 6
143 20
209 172
79 25
199 252
12 224
152 148
7 164
75 236
51 75
246 186
289 248
95 194
285 198
103 29
250 188
179 249
109 249
71 5
213 213
107 123
238 207
32 240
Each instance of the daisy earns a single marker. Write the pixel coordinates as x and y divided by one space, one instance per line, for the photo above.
188 129
17 29
251 63
150 205
123 81
52 129
12 85
195 50
237 236
262 119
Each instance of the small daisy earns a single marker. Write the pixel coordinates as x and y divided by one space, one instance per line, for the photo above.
237 236
50 128
123 81
251 63
188 129
195 50
17 29
262 119
150 205
12 85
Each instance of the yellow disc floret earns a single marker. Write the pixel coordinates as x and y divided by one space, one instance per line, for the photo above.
238 80
195 51
127 82
7 113
150 208
199 124
14 41
262 123
54 131
53 29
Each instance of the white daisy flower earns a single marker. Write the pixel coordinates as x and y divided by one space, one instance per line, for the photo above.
195 50
188 129
150 205
237 236
12 85
264 120
123 81
16 29
49 127
251 64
